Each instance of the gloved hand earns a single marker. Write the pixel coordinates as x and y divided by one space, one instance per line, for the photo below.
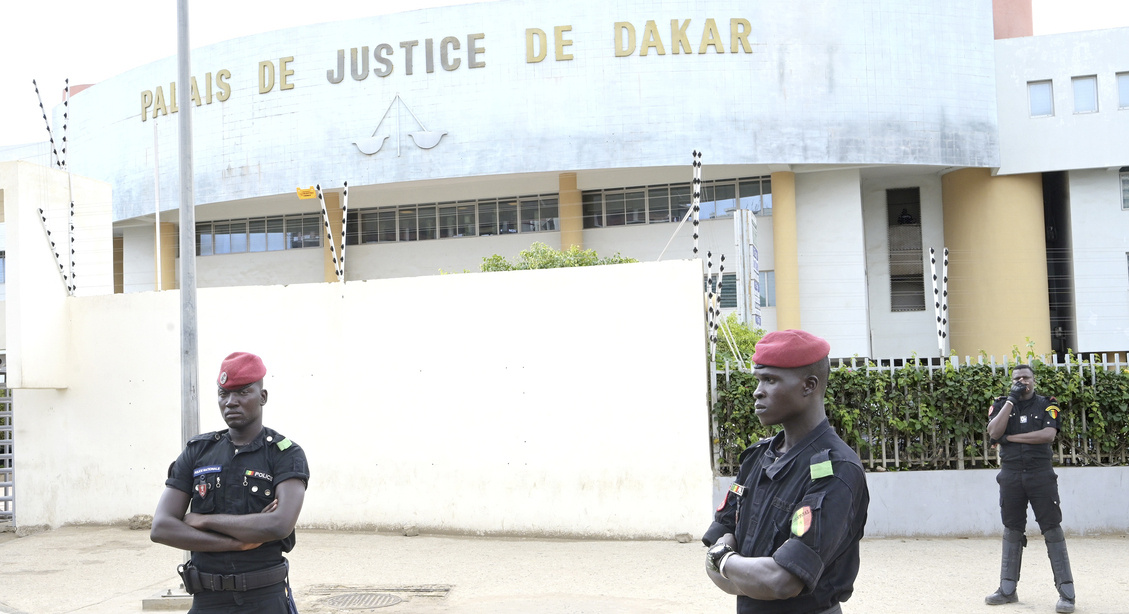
1017 391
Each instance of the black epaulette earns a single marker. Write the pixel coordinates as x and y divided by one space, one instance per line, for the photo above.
749 450
214 435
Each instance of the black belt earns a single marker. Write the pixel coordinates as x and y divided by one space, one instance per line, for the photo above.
196 581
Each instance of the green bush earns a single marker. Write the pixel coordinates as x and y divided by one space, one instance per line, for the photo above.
745 338
541 256
915 417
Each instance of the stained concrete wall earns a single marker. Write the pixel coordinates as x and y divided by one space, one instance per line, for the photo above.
498 403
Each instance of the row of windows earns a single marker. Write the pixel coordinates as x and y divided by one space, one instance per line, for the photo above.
487 217
669 203
457 219
263 234
1040 95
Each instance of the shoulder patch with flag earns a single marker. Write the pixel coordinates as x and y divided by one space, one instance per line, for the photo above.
1053 411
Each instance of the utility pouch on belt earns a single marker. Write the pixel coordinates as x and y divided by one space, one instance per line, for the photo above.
196 581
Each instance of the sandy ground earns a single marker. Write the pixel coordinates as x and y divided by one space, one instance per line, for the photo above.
96 570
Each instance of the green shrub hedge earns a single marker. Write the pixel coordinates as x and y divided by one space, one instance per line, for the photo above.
920 417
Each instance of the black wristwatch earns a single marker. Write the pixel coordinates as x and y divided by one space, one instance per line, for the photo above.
716 554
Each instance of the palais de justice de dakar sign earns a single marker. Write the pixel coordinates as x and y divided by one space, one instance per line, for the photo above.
650 40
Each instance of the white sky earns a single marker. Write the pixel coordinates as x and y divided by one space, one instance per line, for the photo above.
92 40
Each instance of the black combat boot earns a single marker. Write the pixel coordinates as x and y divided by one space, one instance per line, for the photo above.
1012 559
1060 565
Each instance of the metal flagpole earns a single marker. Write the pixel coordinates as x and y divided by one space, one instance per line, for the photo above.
189 342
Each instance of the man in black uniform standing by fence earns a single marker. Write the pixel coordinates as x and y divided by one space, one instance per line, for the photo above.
786 538
1024 424
246 485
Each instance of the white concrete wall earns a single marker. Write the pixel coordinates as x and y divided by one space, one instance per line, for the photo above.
138 272
829 228
1067 140
900 333
36 302
867 82
1100 238
479 403
966 503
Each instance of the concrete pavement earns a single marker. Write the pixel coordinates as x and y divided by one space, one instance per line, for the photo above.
112 569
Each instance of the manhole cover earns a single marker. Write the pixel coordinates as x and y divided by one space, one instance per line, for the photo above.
361 601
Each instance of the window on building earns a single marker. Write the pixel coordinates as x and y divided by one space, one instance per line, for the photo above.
3 267
728 298
670 203
1041 98
1085 94
1123 90
766 287
756 195
258 234
1124 174
907 265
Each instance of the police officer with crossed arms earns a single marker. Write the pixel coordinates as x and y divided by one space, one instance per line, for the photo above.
245 486
786 538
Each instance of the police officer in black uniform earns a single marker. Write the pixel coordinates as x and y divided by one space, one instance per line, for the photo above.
786 538
245 485
1024 424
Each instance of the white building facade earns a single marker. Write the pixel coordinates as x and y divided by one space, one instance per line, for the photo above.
862 135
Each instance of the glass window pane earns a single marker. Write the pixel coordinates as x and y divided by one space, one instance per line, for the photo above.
427 224
725 196
312 230
635 206
448 222
767 288
1041 97
276 237
223 239
386 225
487 218
614 206
750 194
368 227
408 224
507 217
658 205
679 202
1123 90
257 231
593 205
766 196
1125 188
1085 94
550 219
708 208
467 220
238 232
530 221
353 229
204 239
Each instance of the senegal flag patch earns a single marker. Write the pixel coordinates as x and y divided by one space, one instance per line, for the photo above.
801 521
1053 411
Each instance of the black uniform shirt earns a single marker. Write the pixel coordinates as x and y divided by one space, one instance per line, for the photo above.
223 480
1028 416
805 509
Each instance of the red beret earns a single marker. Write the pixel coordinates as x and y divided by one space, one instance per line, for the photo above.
240 369
789 349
